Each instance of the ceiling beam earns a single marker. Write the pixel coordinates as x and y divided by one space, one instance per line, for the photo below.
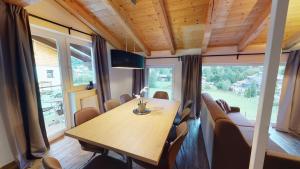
208 27
257 27
85 16
217 13
160 8
127 24
22 2
292 41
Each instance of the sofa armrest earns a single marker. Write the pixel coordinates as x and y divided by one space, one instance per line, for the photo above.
279 160
234 109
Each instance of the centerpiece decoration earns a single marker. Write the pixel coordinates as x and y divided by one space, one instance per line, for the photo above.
141 109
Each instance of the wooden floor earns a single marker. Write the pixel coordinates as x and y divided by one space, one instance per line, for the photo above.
191 156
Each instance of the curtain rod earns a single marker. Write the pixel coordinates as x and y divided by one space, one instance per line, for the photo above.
216 55
59 24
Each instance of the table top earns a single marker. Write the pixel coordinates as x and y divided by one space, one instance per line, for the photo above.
138 136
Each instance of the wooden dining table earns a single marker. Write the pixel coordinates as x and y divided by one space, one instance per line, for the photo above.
141 137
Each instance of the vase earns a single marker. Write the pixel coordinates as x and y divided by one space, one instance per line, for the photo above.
142 107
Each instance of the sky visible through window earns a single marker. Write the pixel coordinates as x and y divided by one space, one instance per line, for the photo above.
239 86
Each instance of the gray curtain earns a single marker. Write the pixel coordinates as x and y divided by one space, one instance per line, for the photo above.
20 105
289 107
102 70
138 80
191 81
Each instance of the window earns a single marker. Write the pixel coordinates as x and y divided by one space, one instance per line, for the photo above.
50 74
239 86
81 64
160 79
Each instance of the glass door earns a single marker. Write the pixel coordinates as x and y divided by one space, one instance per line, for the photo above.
160 79
50 84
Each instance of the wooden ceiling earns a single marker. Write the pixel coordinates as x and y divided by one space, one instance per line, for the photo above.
160 25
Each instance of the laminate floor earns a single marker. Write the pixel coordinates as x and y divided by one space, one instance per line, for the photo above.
192 154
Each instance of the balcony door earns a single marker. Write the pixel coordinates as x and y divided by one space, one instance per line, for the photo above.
50 84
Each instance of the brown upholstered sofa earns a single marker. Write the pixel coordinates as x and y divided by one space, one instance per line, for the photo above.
228 140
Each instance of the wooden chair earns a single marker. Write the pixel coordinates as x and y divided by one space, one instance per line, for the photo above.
51 163
188 104
83 116
170 151
161 95
178 118
110 104
125 98
184 118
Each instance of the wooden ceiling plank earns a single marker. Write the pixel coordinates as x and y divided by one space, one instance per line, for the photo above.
22 2
127 24
217 12
84 15
255 30
221 11
292 41
208 27
160 8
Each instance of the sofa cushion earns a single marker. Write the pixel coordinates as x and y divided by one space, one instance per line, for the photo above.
248 133
223 105
215 111
240 120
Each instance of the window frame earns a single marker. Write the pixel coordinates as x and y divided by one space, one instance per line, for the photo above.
82 42
160 66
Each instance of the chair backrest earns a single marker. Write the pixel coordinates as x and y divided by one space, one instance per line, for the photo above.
181 132
125 98
185 115
188 104
85 115
110 104
51 163
161 95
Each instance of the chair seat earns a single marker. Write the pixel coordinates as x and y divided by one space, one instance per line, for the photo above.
106 162
51 163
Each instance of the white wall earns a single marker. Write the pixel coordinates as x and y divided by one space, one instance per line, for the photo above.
177 72
120 79
5 155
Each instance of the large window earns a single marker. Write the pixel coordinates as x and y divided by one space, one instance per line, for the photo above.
239 86
160 79
81 64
